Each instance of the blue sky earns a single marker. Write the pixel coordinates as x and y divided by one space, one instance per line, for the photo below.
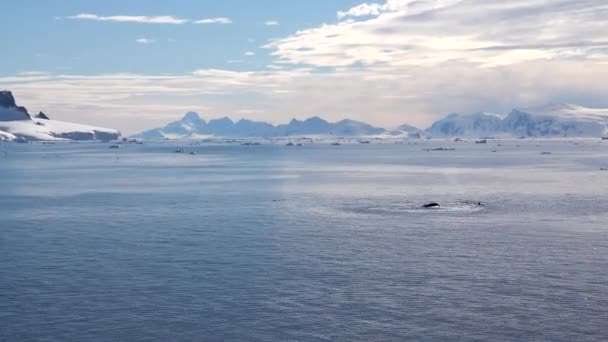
44 39
135 64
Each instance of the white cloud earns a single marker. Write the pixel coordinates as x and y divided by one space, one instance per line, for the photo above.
164 19
249 53
360 10
272 23
430 32
145 41
410 6
33 73
214 21
380 95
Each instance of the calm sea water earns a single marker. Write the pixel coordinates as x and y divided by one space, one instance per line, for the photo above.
312 243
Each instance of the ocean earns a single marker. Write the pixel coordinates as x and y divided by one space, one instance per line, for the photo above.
310 243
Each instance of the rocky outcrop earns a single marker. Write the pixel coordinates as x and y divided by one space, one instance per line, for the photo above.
42 116
7 100
9 110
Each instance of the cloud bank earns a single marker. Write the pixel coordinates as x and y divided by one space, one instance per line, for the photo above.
484 33
417 96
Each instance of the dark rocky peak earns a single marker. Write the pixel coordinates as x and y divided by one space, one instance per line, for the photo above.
7 100
43 116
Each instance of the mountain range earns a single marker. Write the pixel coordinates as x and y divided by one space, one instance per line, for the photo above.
193 126
554 120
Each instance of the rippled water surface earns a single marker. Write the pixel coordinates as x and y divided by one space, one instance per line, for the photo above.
312 243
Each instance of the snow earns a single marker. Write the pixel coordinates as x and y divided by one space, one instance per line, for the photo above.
566 111
477 124
56 130
553 120
557 120
6 136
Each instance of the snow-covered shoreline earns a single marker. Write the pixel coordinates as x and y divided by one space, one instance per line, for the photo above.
17 124
53 130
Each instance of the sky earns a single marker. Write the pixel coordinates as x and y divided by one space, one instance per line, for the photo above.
138 64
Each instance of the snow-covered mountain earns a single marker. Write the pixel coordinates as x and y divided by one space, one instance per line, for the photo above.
17 123
405 131
557 120
193 126
554 120
456 124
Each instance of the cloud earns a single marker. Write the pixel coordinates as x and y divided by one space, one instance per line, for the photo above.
164 19
430 32
33 73
380 95
214 21
272 23
145 41
360 10
375 9
249 53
